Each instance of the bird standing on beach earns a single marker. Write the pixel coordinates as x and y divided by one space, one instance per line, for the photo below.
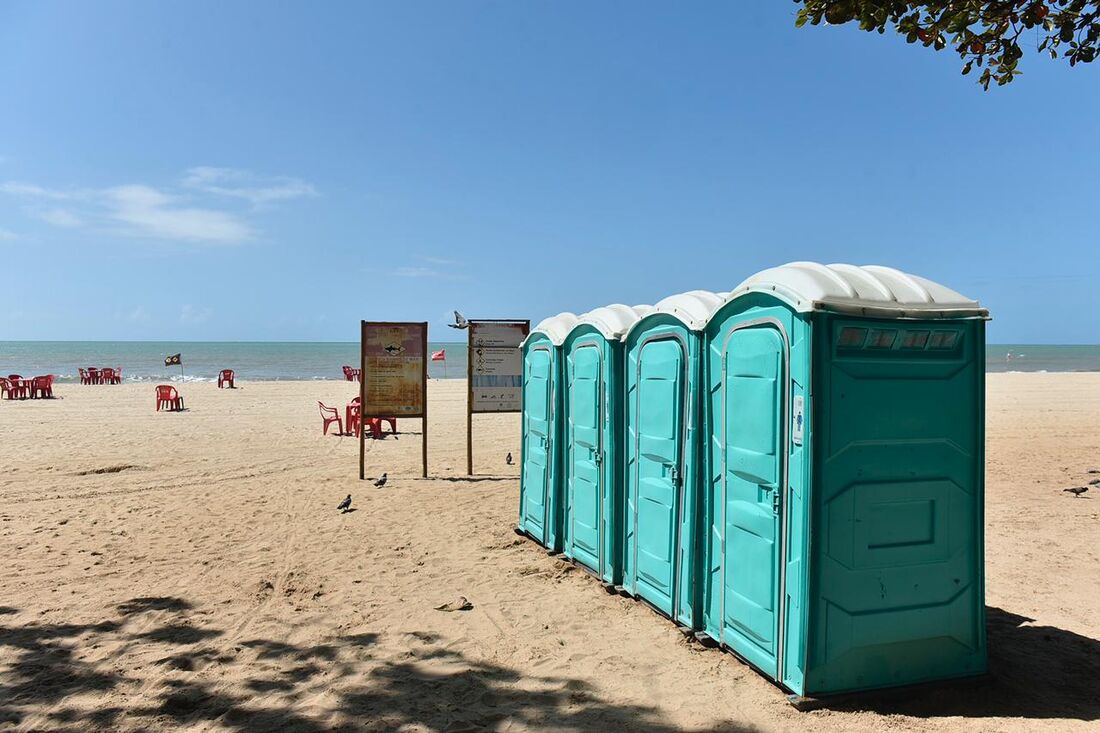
1077 491
345 505
460 321
508 459
380 482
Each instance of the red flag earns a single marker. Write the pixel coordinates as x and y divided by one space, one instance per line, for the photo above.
440 355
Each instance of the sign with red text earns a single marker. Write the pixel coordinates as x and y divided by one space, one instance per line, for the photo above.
394 369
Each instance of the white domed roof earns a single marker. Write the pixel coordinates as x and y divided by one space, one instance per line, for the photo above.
613 321
556 328
867 290
694 307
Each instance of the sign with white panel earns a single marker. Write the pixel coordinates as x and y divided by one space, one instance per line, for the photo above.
495 369
496 365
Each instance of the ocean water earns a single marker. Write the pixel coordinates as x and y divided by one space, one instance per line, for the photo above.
1032 358
143 361
202 360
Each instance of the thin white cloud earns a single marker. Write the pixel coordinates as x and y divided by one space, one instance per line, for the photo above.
432 260
19 188
138 315
192 315
60 218
141 210
416 271
150 212
7 234
255 189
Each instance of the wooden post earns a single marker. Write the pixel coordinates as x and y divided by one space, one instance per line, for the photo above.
424 430
362 396
469 401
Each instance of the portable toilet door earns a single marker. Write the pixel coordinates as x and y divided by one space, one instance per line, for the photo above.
592 463
845 426
539 484
755 369
661 488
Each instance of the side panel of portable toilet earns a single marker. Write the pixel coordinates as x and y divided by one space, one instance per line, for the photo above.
756 369
880 515
593 442
540 472
897 564
662 455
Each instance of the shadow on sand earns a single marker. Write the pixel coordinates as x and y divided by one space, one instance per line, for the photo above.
1035 672
259 684
476 478
262 684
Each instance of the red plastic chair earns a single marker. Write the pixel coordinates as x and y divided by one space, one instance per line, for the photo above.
355 422
167 396
85 378
94 377
42 387
226 377
12 390
112 376
331 415
18 388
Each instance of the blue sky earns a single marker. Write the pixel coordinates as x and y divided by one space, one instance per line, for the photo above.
272 171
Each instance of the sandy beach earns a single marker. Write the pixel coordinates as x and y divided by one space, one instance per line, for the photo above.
190 572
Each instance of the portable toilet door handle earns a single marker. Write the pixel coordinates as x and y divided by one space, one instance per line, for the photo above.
674 474
597 456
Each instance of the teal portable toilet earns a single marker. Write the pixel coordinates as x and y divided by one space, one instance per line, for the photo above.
845 460
540 470
593 444
662 416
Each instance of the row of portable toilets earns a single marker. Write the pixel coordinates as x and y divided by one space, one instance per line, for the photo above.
793 470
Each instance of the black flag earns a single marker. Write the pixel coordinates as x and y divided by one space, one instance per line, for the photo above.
173 360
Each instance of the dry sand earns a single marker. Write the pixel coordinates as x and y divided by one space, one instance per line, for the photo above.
190 572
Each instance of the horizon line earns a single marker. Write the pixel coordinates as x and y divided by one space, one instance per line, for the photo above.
306 341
